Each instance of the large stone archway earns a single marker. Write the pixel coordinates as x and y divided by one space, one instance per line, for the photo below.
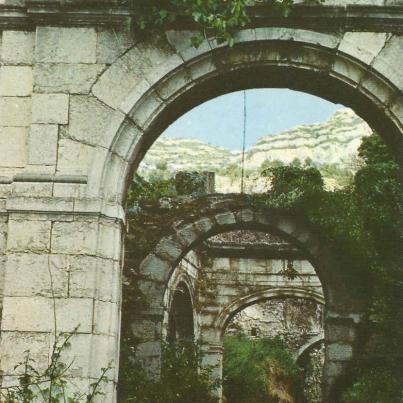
83 107
325 65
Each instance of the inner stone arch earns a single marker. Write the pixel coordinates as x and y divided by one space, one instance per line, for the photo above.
179 248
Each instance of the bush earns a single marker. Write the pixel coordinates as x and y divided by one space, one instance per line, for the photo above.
259 371
183 378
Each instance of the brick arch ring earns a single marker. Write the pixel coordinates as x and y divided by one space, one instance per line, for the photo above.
342 307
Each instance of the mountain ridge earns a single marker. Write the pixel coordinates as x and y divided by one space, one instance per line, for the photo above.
333 142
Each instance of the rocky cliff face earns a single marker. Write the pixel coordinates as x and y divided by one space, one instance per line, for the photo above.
331 143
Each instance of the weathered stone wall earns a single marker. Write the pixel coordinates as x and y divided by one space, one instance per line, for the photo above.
222 289
80 104
295 320
229 281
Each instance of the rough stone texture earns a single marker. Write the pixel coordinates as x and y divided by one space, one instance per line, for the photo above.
112 43
363 45
15 111
92 277
223 285
37 314
65 45
13 347
155 268
296 320
88 119
75 237
29 275
56 223
225 218
122 79
28 236
73 157
50 108
43 144
13 139
339 352
66 78
15 81
168 249
18 47
389 59
106 316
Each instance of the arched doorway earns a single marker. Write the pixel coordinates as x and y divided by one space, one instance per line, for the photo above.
295 61
298 60
180 321
343 308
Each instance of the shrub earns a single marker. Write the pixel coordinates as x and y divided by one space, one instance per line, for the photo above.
259 371
183 378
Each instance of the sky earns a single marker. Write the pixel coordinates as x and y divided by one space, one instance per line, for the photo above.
269 111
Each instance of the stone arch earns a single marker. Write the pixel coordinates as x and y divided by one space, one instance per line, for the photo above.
177 78
226 315
342 305
308 346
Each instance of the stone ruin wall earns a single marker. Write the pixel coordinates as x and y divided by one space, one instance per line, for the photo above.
296 320
67 138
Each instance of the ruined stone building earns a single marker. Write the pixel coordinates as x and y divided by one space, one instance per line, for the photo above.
82 99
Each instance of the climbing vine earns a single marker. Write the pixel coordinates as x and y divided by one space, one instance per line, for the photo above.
214 18
52 384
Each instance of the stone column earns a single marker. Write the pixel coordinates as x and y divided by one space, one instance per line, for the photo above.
340 335
62 274
213 358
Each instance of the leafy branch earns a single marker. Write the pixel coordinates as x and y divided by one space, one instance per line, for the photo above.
217 18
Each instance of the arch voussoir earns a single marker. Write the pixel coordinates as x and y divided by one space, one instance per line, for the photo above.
169 249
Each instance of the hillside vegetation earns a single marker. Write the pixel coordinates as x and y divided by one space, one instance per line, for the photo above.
330 146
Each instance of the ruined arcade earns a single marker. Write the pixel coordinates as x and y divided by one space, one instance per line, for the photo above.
82 98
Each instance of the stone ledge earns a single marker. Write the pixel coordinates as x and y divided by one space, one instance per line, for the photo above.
81 13
57 14
55 178
66 206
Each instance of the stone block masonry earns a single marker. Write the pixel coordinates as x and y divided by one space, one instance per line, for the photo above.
81 99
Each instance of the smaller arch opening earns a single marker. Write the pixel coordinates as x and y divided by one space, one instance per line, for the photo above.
180 321
279 341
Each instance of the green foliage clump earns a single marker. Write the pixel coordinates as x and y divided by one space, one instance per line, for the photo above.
288 179
259 370
183 378
363 223
149 192
293 187
190 183
223 18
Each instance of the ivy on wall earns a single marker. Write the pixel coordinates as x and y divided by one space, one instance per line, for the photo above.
214 18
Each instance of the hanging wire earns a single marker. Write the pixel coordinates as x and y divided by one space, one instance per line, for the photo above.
243 143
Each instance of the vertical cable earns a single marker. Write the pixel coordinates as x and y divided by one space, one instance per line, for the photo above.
243 142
